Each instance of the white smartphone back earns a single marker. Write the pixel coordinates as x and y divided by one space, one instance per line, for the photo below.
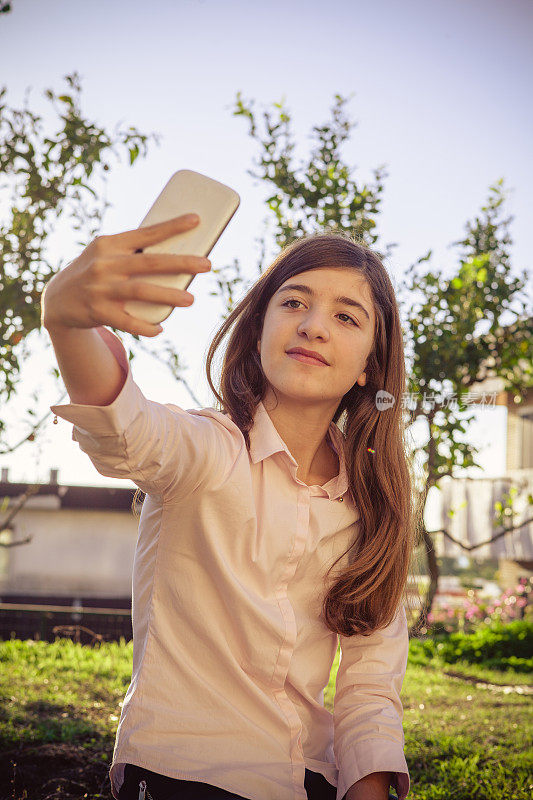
187 192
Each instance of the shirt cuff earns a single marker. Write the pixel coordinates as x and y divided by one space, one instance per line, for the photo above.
101 420
373 755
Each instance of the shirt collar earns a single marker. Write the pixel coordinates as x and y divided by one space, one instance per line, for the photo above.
265 441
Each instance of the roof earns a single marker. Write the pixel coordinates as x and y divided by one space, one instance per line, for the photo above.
83 497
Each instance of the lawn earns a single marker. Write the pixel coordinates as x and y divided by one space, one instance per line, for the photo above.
467 728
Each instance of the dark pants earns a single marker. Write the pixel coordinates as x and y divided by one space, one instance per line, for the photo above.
163 788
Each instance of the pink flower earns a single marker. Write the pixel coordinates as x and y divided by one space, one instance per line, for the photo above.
521 602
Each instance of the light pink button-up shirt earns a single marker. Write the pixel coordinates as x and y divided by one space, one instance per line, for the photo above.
230 657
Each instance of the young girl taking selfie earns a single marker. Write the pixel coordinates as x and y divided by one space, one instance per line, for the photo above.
273 526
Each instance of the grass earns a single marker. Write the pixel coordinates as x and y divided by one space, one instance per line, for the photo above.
468 732
59 709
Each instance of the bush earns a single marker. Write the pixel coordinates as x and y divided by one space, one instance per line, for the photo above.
496 645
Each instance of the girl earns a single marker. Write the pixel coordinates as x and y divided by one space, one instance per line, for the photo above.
237 610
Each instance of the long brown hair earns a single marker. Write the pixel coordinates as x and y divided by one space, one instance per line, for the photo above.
366 594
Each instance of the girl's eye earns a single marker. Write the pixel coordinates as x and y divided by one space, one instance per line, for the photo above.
286 303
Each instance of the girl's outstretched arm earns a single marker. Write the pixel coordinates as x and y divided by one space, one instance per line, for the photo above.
93 372
165 450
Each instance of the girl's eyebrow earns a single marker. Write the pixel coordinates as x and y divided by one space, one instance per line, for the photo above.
302 287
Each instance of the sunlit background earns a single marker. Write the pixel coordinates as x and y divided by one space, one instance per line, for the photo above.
441 93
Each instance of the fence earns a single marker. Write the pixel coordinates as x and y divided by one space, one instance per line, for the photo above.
85 625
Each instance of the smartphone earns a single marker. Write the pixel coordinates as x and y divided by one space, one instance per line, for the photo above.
187 192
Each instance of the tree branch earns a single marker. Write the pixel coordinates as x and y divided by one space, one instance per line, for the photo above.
31 436
471 547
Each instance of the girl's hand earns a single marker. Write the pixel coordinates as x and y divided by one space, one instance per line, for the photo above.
92 290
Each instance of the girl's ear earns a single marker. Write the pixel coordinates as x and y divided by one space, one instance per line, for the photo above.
361 380
259 346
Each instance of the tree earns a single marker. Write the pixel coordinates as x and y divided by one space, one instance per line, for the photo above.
457 339
321 193
49 175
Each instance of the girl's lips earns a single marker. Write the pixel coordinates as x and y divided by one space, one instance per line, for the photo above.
306 359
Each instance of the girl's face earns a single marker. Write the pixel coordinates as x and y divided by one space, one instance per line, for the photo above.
318 318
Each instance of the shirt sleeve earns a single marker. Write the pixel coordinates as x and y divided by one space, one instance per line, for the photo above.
164 449
368 712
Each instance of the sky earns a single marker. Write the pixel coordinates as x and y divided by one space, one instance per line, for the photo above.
440 92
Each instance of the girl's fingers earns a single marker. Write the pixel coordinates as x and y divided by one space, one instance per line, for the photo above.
123 321
130 241
156 263
150 293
